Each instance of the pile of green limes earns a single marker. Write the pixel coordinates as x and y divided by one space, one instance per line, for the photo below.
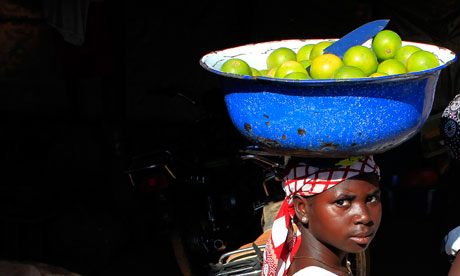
386 56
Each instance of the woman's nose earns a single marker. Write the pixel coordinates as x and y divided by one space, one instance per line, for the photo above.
361 214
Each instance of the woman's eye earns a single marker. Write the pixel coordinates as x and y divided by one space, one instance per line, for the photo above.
373 198
342 202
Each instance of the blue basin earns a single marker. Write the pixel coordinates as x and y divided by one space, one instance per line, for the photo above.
325 118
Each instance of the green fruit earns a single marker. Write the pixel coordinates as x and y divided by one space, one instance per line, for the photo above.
271 72
391 67
385 44
288 67
324 66
362 58
236 66
403 54
349 72
318 49
297 76
280 55
264 72
304 52
377 74
422 60
255 72
305 63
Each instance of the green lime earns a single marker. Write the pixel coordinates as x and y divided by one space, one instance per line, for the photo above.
362 58
318 49
391 67
349 72
236 66
264 72
385 44
324 66
377 74
288 67
305 63
280 55
255 72
297 76
304 52
422 60
403 54
271 72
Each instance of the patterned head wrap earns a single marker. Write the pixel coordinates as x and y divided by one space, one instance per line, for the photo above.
305 180
450 128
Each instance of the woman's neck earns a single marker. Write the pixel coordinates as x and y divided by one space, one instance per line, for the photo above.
312 251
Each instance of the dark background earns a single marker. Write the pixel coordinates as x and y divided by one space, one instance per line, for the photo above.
73 117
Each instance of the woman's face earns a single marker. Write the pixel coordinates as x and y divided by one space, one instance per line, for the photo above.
347 215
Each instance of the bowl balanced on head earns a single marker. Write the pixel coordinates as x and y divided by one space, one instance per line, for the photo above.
328 117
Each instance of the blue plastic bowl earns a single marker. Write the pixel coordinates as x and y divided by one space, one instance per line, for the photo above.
325 118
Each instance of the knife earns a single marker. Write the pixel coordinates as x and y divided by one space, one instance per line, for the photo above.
356 37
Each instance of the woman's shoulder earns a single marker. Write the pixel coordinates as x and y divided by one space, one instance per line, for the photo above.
314 271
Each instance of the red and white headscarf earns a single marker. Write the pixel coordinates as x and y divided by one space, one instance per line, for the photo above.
305 180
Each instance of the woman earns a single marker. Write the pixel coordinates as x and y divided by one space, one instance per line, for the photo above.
450 133
331 208
452 246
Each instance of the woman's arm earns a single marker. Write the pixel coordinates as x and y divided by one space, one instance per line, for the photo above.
452 246
455 268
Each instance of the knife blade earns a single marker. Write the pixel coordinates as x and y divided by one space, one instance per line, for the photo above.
356 37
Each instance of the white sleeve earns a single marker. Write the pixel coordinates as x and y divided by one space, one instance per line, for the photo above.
452 241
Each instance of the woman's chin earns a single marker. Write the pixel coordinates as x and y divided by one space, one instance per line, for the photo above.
358 248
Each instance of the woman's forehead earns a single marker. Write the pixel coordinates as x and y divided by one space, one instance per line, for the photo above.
354 186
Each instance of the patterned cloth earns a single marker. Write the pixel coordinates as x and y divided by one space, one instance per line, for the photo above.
305 180
450 128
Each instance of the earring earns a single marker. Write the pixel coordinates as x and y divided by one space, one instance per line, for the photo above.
304 220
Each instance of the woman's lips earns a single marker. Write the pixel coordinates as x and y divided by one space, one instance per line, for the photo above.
362 239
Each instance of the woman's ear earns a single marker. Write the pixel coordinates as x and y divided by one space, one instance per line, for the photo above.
300 207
